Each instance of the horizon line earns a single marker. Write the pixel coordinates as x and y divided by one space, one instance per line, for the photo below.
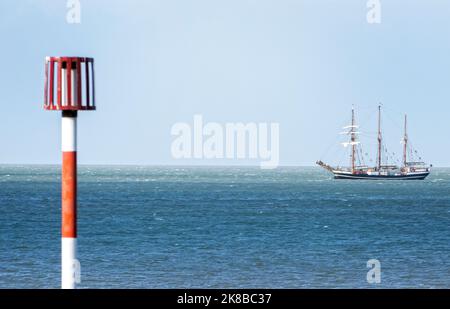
167 165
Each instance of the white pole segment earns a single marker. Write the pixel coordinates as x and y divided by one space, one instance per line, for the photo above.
69 263
69 134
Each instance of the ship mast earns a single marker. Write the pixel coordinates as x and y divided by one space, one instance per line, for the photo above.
379 138
353 140
405 143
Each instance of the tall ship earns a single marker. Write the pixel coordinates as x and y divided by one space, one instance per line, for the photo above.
408 170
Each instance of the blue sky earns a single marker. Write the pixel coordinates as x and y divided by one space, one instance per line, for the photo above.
299 63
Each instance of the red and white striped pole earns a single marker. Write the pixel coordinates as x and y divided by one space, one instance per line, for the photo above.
71 73
70 267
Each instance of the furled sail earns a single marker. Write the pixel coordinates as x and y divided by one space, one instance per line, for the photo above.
350 143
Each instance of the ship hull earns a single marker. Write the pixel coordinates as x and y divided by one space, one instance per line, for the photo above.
412 176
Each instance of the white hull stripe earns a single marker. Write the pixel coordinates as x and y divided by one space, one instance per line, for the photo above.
381 178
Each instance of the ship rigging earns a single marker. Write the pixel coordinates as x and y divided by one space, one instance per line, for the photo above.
412 170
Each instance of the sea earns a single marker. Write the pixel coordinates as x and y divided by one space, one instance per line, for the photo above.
226 227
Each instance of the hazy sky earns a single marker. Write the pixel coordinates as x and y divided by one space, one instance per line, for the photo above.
299 63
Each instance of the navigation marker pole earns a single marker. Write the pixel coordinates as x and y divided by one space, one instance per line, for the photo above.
71 73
